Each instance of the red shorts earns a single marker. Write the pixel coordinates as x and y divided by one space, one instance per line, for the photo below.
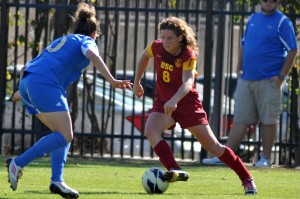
187 115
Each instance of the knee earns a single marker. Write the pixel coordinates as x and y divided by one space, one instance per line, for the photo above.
149 133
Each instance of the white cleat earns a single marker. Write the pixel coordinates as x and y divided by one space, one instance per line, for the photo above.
14 173
63 190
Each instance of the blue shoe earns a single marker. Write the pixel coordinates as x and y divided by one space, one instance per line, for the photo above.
212 161
263 162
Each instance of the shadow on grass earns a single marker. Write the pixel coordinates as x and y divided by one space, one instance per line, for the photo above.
89 193
82 193
125 193
125 162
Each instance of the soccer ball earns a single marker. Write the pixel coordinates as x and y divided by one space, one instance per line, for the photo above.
153 181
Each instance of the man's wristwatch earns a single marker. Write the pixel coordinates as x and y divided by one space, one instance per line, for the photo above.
281 77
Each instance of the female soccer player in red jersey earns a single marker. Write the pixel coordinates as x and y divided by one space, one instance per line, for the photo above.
177 100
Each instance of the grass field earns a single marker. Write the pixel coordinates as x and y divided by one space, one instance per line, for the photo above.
121 179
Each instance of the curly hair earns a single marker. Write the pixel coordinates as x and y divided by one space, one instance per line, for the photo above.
85 21
180 27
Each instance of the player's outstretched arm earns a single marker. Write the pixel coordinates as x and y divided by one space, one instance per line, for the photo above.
102 68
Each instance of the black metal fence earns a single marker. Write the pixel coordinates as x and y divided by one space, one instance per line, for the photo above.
109 122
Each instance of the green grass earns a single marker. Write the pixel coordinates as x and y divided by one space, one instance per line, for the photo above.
105 178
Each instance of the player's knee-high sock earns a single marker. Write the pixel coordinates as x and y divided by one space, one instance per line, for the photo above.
235 163
58 160
44 146
164 152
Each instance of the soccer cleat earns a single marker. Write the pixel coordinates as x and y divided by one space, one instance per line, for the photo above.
249 186
63 190
212 161
14 173
176 175
263 161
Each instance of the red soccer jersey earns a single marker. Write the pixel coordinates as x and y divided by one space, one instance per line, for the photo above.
169 70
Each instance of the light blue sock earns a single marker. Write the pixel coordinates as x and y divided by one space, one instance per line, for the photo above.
58 160
44 146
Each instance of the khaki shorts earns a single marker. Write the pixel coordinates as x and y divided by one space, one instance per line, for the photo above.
257 101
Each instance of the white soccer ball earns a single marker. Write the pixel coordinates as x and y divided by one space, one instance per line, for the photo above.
153 181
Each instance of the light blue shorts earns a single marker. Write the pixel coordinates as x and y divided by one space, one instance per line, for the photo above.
42 95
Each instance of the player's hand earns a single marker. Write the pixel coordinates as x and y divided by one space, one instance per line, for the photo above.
17 96
138 90
169 107
122 84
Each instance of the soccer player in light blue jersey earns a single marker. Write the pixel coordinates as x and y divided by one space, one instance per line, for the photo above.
43 92
267 53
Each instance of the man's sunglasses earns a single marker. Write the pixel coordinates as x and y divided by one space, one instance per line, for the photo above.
271 1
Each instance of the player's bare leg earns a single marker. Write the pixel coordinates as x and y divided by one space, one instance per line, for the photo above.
156 124
208 140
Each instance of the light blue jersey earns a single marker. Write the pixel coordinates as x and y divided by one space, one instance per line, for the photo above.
266 42
43 84
64 59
